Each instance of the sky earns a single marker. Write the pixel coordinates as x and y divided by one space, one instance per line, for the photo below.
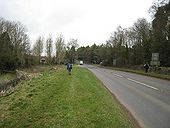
89 21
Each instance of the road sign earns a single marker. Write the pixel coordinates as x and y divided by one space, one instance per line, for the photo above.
155 59
155 56
114 62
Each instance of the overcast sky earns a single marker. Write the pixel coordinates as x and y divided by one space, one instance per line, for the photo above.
89 21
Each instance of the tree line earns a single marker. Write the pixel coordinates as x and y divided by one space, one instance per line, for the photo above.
125 47
134 45
61 53
16 51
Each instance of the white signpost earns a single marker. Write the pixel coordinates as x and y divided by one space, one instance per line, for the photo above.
114 62
155 59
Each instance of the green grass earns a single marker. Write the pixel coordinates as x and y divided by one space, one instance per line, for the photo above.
142 72
58 100
7 76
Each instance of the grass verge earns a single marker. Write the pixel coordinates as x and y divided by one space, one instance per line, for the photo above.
7 76
141 72
56 99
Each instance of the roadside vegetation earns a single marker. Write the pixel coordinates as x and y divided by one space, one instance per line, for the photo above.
155 74
131 46
7 76
52 98
56 99
135 45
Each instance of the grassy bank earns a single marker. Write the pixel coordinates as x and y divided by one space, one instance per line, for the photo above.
7 76
56 99
141 72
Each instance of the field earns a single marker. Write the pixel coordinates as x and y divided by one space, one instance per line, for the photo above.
56 99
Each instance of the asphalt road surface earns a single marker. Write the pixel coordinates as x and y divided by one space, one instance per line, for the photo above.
147 98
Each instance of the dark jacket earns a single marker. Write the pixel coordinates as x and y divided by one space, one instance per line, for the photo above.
69 66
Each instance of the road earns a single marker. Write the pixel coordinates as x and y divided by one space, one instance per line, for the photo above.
147 98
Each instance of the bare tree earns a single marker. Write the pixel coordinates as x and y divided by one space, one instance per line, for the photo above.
71 50
156 5
18 39
60 49
38 48
49 42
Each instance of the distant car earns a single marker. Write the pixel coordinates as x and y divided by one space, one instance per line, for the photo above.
81 62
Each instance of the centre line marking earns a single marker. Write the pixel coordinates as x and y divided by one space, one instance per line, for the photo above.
149 86
118 75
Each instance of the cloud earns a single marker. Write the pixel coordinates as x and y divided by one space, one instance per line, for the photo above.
91 21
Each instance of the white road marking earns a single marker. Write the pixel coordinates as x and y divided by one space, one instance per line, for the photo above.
149 86
118 75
